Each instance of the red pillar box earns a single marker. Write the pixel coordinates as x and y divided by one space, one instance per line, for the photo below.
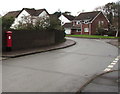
8 40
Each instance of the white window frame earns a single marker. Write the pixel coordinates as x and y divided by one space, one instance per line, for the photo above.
86 30
102 22
78 22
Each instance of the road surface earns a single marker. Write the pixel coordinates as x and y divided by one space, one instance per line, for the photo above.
64 70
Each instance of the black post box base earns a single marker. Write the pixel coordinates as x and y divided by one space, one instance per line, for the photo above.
8 49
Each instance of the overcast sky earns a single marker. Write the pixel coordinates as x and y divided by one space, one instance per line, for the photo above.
52 6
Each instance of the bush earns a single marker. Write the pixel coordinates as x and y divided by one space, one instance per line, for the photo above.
7 22
40 23
111 33
101 31
54 23
59 36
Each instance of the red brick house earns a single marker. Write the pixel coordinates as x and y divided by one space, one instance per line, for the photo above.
87 23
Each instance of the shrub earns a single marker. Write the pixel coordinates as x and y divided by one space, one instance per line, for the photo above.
7 22
112 31
101 31
59 36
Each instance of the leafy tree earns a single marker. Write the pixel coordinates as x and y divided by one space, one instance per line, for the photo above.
7 22
57 14
55 23
40 23
112 11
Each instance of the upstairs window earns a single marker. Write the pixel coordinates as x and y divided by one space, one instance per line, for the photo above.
78 22
74 23
100 23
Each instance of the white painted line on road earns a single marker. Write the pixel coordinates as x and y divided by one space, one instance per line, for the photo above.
107 69
110 66
116 59
113 63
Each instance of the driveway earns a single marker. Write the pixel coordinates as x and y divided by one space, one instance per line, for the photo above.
64 70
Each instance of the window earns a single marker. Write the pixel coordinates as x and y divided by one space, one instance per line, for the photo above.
78 22
74 23
85 29
102 22
78 30
86 22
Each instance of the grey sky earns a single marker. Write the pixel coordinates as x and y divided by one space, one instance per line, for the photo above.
73 6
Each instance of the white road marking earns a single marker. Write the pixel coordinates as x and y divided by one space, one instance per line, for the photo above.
116 59
113 63
109 67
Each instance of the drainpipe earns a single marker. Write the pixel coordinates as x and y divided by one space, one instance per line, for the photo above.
81 28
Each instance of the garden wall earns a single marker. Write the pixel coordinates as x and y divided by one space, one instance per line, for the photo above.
23 39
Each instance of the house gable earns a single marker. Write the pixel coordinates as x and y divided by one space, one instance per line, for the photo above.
64 20
43 14
18 15
103 17
99 22
19 18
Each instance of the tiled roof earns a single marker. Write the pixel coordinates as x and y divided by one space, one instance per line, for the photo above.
12 13
69 17
39 11
87 15
31 11
70 25
67 25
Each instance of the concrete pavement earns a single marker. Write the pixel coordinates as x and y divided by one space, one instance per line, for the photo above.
104 82
23 52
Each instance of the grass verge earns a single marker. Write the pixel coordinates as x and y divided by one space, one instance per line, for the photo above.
93 36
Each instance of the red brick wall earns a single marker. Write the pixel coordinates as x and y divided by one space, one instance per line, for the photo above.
94 26
85 26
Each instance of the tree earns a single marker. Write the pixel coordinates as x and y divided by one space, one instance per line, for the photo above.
39 23
7 22
55 23
57 14
112 11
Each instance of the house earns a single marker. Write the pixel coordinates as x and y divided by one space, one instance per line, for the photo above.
66 18
87 23
26 12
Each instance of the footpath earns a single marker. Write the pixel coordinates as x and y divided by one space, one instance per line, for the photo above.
18 53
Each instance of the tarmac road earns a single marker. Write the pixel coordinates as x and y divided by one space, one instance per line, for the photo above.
64 70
